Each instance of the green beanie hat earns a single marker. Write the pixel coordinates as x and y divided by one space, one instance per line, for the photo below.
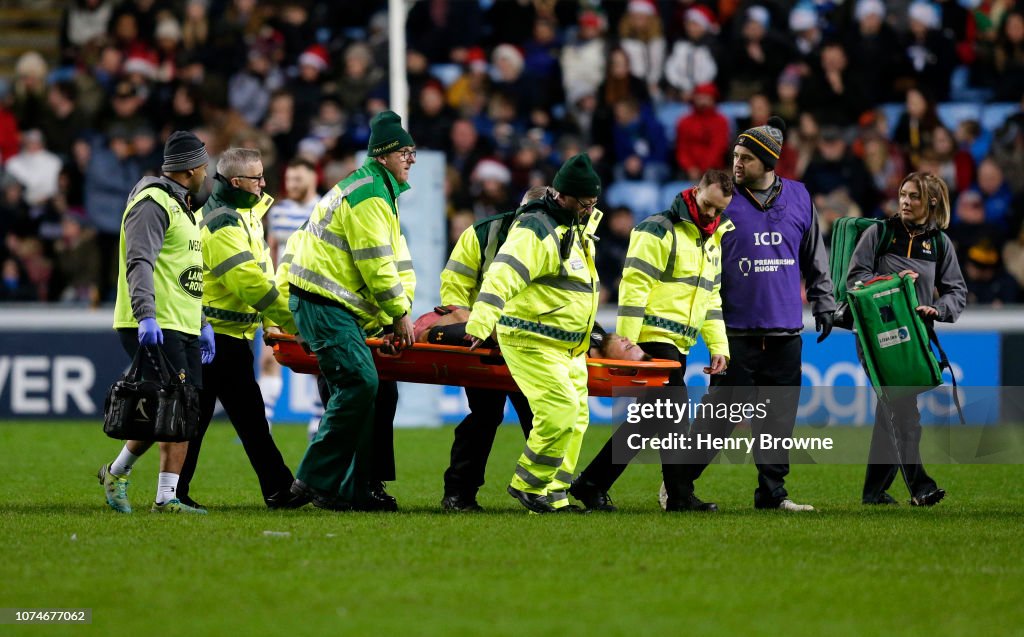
576 178
387 134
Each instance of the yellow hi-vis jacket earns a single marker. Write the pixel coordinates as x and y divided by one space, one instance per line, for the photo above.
542 288
671 282
352 252
472 255
238 274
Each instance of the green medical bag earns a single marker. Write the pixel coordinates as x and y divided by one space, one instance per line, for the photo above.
894 339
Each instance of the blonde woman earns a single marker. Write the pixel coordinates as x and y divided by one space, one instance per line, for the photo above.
918 248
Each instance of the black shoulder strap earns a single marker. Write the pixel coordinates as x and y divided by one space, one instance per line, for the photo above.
944 364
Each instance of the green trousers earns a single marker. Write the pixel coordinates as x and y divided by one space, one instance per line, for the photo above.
347 425
555 384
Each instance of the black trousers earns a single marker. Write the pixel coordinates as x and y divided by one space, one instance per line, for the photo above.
603 471
474 437
761 368
895 446
232 378
380 466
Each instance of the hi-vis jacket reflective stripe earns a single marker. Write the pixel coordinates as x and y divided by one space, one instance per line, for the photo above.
670 288
238 276
472 255
533 295
352 250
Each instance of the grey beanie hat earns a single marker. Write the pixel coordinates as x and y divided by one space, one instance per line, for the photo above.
183 151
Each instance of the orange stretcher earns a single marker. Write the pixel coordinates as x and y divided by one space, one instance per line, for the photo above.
483 368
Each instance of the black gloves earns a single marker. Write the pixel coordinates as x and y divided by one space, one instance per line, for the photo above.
823 323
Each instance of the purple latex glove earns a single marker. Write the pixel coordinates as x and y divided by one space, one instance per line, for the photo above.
150 333
207 346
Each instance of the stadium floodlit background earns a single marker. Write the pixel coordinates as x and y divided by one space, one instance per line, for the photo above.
502 91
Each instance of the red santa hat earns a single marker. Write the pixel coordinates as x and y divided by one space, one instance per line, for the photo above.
476 59
141 62
702 16
315 56
643 7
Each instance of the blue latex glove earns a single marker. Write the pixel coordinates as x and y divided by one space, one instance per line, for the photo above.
150 333
206 344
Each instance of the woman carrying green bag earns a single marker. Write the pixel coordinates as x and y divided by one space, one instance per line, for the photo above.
917 248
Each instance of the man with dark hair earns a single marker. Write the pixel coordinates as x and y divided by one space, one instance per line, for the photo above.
159 302
239 295
776 242
670 294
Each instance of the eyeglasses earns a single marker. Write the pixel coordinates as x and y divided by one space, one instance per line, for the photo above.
257 178
406 155
587 205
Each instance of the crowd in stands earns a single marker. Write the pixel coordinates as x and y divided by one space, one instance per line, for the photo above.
653 90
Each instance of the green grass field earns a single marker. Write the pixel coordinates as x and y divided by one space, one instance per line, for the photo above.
955 569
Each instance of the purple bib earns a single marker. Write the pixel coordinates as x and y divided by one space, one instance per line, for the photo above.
761 272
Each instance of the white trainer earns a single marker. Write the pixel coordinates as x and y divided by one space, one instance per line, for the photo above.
663 496
789 505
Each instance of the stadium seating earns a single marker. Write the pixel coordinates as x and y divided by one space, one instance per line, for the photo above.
734 111
639 196
670 190
446 73
994 115
952 113
669 114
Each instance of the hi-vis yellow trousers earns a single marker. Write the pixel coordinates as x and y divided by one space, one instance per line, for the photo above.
555 384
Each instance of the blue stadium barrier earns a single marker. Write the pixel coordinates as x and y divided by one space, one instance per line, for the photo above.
994 115
669 114
640 196
952 113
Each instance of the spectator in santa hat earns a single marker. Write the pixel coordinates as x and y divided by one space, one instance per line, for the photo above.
641 37
307 86
703 136
756 60
929 54
692 61
873 51
583 57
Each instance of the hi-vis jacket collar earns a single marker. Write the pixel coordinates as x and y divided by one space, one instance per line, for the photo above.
234 197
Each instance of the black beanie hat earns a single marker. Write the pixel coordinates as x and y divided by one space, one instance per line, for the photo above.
183 151
765 141
387 134
576 178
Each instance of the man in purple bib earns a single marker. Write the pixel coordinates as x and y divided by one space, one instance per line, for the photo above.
776 243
